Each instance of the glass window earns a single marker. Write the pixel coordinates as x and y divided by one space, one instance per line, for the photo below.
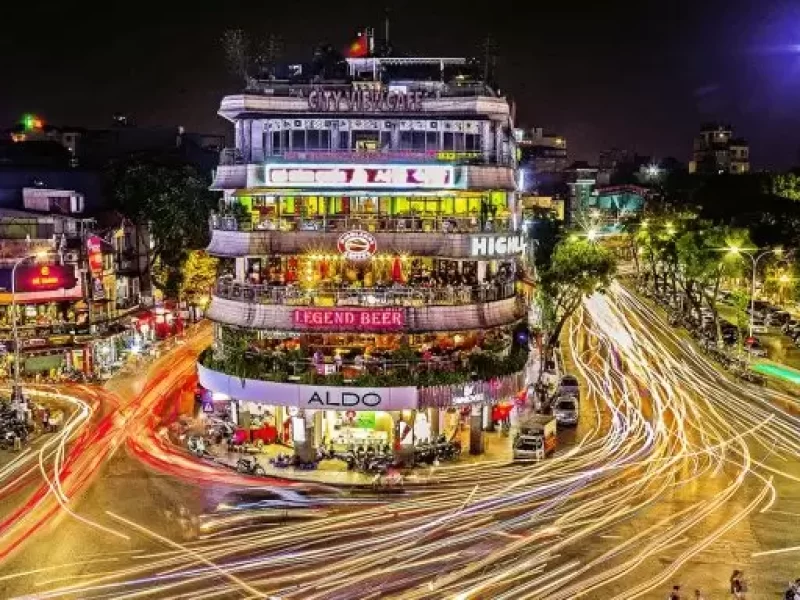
448 143
405 140
472 142
344 140
418 140
312 139
285 141
432 141
386 140
298 140
276 142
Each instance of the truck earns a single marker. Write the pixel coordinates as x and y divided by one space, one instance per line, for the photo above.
536 437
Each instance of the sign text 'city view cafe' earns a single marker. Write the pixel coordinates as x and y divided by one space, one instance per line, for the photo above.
361 176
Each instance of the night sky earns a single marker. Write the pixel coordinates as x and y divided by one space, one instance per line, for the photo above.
635 75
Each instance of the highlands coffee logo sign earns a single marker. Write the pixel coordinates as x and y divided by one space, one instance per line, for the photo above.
357 245
497 245
344 400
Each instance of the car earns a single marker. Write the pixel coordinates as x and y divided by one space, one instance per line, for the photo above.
566 410
790 325
758 326
778 318
754 347
568 386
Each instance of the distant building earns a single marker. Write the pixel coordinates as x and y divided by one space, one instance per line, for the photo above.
716 151
581 179
542 159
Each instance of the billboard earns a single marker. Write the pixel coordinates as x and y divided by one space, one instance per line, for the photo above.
45 278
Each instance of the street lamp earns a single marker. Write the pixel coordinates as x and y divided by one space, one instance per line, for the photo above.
16 393
591 235
754 258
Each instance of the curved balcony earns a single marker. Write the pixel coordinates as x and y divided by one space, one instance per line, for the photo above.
410 235
371 318
363 297
389 390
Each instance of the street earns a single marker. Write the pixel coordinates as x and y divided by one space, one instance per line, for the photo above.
678 475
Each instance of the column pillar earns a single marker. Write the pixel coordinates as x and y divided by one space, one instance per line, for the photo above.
476 430
433 419
304 447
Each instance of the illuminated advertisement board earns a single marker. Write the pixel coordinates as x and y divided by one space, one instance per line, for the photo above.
45 278
383 319
306 175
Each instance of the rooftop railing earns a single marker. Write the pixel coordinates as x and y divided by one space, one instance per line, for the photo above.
368 222
233 156
394 295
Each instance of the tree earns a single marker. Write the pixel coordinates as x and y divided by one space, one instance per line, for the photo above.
236 45
168 199
578 268
199 274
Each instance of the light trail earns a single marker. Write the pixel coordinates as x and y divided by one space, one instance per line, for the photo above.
673 457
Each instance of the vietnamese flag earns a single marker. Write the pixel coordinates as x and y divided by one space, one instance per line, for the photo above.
359 47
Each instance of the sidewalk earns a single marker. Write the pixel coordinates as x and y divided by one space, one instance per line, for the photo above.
497 448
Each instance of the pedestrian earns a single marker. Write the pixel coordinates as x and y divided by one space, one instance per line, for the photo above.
698 595
675 594
738 585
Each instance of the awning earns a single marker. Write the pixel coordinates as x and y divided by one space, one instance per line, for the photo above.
36 364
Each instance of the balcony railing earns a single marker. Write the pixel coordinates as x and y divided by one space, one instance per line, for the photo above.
364 297
366 222
234 156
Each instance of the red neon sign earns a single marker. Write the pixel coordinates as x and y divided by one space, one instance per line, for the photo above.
361 319
45 278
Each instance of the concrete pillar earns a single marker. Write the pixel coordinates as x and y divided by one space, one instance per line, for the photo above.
304 447
488 424
433 419
476 431
258 140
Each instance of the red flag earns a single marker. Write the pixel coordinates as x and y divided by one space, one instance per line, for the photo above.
359 48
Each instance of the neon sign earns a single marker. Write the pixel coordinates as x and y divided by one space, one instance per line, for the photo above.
384 319
323 100
45 278
497 245
358 176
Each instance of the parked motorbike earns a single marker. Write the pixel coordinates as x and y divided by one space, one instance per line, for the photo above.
250 466
197 445
282 461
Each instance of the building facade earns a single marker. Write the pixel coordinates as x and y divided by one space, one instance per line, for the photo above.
374 241
716 151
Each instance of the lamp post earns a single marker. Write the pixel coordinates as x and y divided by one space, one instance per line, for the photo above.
16 392
754 258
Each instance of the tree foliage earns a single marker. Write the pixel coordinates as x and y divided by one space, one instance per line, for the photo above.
199 273
171 200
577 268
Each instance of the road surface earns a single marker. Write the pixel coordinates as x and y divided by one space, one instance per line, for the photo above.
677 475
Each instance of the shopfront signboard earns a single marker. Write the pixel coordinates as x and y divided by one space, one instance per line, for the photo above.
496 245
357 245
469 396
310 397
94 254
359 319
45 278
309 175
339 100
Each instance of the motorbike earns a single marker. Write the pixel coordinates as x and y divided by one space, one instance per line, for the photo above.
197 445
248 466
282 461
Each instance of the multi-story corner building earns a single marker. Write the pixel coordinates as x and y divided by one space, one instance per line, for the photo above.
373 233
63 303
716 151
